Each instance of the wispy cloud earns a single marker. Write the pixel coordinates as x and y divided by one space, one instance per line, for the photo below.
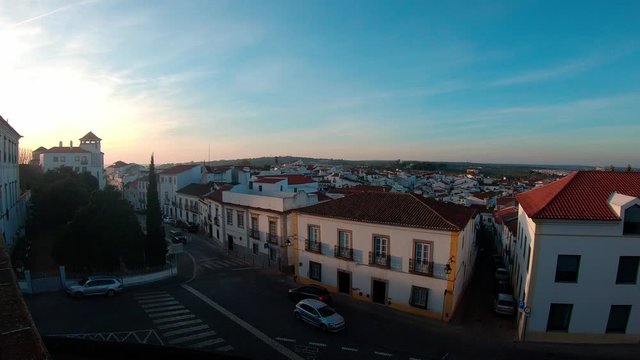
51 12
539 75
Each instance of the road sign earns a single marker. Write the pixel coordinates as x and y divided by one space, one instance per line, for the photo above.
521 305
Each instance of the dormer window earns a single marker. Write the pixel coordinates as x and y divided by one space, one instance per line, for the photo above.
632 220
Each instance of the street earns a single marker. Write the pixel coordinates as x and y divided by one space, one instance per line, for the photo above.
226 304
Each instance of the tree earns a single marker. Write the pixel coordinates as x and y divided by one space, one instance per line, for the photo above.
629 168
155 244
102 235
25 156
611 168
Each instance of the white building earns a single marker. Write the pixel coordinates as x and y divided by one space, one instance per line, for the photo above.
396 249
135 192
86 158
576 260
225 174
172 179
120 174
12 202
189 204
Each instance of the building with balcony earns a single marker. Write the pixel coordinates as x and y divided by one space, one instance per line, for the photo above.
576 259
172 179
395 249
135 192
190 202
86 158
12 201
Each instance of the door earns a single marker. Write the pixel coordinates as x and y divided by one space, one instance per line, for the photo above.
379 293
344 282
230 242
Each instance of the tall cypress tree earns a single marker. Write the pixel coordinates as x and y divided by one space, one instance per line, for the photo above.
155 246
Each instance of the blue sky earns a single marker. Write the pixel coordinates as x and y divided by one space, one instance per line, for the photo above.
507 82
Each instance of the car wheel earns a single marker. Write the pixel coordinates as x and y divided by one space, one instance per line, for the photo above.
297 315
78 294
110 293
323 327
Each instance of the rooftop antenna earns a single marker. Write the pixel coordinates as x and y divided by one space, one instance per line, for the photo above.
209 158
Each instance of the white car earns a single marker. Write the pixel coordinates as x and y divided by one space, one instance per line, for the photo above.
319 314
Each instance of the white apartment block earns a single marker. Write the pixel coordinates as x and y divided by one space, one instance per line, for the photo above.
84 158
576 261
171 180
395 249
135 193
225 174
190 202
12 202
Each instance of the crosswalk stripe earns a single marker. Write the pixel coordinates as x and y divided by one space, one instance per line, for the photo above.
175 307
149 293
185 330
167 313
145 297
192 337
208 343
181 317
224 348
165 303
151 301
178 324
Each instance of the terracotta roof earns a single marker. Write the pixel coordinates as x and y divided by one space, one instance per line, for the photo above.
66 149
321 196
504 201
196 189
217 195
292 179
269 180
178 169
216 169
399 209
484 195
504 215
90 136
583 195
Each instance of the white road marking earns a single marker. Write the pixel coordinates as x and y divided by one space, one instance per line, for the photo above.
178 324
285 339
382 353
183 339
167 313
149 293
151 301
257 333
317 344
412 358
182 317
175 307
208 343
225 348
349 349
164 303
195 267
147 297
245 268
185 330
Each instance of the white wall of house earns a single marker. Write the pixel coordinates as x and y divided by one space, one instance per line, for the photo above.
12 202
169 184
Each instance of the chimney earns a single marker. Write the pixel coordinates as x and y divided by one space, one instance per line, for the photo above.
60 143
71 143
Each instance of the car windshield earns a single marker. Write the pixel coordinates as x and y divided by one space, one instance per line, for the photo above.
326 311
83 281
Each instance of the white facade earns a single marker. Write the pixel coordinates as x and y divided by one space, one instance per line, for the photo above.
600 246
12 202
170 181
135 193
86 158
392 285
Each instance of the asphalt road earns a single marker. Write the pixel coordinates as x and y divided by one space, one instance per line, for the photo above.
226 304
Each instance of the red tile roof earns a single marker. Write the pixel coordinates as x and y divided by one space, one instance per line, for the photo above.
90 136
216 169
178 169
399 209
583 195
66 150
196 189
217 195
484 195
269 180
292 179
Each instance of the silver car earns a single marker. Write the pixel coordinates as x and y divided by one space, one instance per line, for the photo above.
319 314
504 304
96 285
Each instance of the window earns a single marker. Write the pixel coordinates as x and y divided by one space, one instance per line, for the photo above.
61 158
240 215
229 217
313 232
77 158
618 319
344 239
632 220
273 227
627 270
529 260
422 256
84 169
419 297
255 248
380 250
567 268
315 271
259 187
559 317
254 223
84 160
55 159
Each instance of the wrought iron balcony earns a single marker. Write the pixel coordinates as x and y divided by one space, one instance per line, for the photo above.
254 233
343 252
313 246
273 238
421 267
379 259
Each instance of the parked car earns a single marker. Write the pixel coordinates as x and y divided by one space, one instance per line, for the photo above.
191 227
502 274
169 221
178 237
504 304
503 287
310 292
96 285
319 314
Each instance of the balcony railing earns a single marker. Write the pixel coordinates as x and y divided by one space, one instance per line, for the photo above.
216 221
312 246
343 252
379 259
421 267
273 238
254 233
